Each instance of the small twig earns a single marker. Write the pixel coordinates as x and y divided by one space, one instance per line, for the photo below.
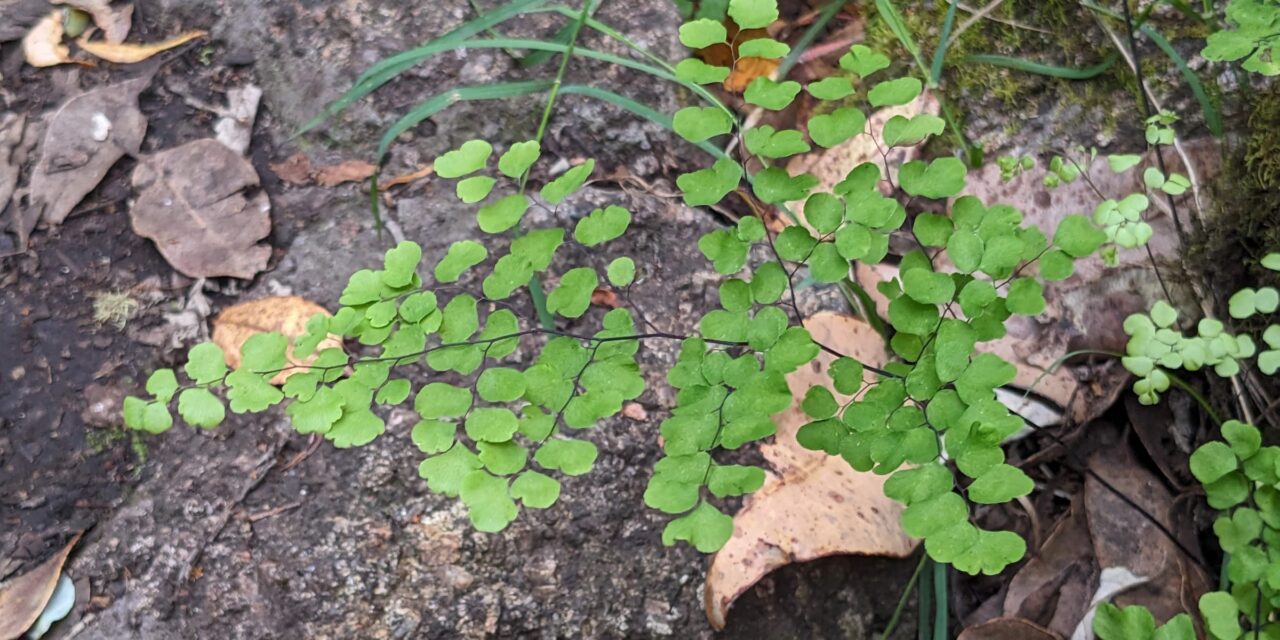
262 515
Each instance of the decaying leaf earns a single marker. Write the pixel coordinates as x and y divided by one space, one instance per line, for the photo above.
235 128
295 170
1055 586
192 203
1124 538
114 20
12 126
42 46
747 69
23 597
127 53
812 505
346 171
285 314
1008 629
84 138
407 178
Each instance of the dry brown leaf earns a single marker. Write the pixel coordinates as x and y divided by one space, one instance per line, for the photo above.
285 314
1055 586
192 204
84 138
812 504
23 597
1124 537
126 53
115 21
605 298
346 171
748 69
42 46
295 170
407 177
1008 629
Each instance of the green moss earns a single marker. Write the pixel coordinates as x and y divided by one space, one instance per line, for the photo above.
1262 147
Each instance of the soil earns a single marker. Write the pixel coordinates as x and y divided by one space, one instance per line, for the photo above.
248 532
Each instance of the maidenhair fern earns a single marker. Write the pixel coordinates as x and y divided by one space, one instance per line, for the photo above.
499 431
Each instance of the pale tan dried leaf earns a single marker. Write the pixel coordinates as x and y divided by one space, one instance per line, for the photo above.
287 315
192 203
84 138
42 46
346 171
23 597
127 53
812 505
115 21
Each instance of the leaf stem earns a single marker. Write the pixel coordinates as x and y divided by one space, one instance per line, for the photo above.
902 600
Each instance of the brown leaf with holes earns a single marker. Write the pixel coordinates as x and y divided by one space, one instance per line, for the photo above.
347 171
23 598
812 504
287 315
745 69
1008 629
200 203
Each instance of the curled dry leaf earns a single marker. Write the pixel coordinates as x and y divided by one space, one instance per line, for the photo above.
115 21
346 171
126 53
23 597
84 138
407 178
812 505
42 46
285 314
192 204
1008 629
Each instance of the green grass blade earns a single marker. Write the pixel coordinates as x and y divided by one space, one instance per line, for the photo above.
636 108
441 101
828 12
941 615
935 71
1212 118
563 36
1066 73
891 16
609 31
386 69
